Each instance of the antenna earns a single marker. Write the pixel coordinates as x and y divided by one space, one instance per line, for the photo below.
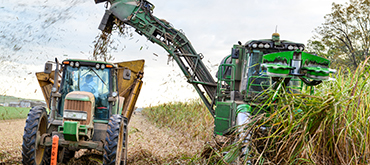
276 29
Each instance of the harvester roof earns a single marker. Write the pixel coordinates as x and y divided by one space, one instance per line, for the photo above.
270 43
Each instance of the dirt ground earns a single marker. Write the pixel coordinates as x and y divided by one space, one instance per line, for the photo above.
148 144
11 132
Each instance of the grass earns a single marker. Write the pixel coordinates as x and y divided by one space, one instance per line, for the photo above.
7 113
329 127
4 99
190 120
7 99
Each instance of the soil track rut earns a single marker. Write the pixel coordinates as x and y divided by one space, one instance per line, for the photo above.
148 144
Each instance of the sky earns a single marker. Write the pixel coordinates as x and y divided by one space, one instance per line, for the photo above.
35 31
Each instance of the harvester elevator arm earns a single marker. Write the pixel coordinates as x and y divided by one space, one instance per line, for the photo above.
138 14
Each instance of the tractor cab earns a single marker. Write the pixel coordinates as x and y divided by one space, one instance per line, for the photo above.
87 97
94 81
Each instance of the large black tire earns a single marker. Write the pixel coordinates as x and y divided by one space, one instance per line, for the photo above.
36 125
115 146
67 155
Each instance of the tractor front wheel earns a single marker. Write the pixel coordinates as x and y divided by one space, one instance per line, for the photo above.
115 147
66 155
36 126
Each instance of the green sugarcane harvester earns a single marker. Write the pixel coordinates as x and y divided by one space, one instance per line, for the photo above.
248 71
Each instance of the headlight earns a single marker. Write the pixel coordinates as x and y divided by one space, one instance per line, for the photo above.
254 45
114 94
53 89
71 64
267 45
102 66
97 66
76 115
77 64
260 45
290 47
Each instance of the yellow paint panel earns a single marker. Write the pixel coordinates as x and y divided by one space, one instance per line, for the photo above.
125 86
45 85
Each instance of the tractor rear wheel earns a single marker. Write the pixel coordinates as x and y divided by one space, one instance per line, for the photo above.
115 147
36 126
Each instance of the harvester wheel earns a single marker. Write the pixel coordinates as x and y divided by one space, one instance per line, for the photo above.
36 126
115 147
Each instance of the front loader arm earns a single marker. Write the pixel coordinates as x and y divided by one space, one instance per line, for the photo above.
138 14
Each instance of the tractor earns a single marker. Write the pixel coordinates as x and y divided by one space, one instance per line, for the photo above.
89 106
246 73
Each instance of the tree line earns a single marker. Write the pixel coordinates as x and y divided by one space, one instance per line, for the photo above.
344 37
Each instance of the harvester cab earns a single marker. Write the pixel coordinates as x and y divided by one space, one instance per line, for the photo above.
90 104
259 64
251 70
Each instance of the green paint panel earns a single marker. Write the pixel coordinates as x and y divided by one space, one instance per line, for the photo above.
70 130
82 130
278 68
317 71
78 97
221 126
281 56
223 110
123 8
244 108
310 66
101 121
224 117
309 58
288 56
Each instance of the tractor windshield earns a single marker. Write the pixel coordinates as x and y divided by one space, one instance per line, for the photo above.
88 79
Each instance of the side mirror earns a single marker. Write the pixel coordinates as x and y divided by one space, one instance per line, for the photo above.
235 53
127 74
113 98
48 67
